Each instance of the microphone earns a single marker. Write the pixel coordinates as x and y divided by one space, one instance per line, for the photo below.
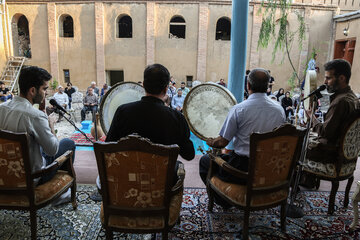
55 104
317 92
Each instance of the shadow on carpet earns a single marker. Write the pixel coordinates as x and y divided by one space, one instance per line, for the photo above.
196 222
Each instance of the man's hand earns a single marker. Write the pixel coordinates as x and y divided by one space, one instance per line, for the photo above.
218 142
53 117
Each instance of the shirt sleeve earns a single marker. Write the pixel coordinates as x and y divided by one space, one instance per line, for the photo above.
113 133
230 125
334 117
187 150
43 135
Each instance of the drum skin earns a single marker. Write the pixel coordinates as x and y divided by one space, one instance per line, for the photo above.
119 94
206 107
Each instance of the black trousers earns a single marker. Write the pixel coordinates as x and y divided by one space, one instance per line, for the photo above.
236 161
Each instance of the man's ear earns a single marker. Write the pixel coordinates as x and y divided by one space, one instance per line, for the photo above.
342 79
32 91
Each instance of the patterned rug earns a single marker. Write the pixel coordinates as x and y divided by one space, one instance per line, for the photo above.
196 222
80 139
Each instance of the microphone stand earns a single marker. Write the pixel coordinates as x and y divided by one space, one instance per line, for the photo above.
293 211
72 123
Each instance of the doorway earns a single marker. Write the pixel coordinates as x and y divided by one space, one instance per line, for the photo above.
114 76
345 49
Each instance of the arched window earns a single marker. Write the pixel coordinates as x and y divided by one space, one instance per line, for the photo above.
177 27
124 27
66 26
223 29
20 35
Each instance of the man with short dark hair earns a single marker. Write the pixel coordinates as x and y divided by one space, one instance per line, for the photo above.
178 101
343 103
184 89
5 93
150 118
19 115
257 114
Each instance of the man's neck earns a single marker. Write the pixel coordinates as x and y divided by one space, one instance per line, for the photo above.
159 96
27 98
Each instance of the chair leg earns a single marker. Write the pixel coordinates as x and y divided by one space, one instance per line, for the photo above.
211 198
334 188
164 235
109 234
347 190
73 196
245 230
33 224
283 217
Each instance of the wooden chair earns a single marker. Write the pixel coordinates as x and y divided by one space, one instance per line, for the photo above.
343 164
137 187
18 189
272 161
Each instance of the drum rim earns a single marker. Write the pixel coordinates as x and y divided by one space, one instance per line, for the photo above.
227 91
103 101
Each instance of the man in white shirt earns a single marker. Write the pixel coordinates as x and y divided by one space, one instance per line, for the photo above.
19 115
61 98
257 114
178 101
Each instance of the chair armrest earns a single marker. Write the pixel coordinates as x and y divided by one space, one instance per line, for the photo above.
180 182
230 169
54 165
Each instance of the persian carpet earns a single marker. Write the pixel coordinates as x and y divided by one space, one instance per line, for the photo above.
80 139
196 222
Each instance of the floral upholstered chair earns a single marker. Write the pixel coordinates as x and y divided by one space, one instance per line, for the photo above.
18 188
272 160
344 160
137 186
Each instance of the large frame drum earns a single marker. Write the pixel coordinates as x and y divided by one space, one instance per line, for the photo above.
206 107
119 94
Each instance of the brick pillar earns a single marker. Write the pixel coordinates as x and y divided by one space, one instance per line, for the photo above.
150 33
256 25
53 46
202 41
305 47
99 43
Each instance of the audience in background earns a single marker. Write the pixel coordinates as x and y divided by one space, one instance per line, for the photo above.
69 90
5 93
280 93
222 82
61 98
287 104
184 89
90 102
178 100
95 89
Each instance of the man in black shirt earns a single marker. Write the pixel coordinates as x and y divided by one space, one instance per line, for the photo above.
5 93
150 118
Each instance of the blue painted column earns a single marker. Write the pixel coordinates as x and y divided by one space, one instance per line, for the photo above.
239 22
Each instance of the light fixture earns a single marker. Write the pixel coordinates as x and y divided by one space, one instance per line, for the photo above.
346 29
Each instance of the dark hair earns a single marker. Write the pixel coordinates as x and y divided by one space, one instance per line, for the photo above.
156 78
182 82
247 72
32 76
340 67
258 80
1 83
69 83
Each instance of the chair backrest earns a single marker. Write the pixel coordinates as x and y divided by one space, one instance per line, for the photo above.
350 137
273 156
136 174
15 168
77 97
